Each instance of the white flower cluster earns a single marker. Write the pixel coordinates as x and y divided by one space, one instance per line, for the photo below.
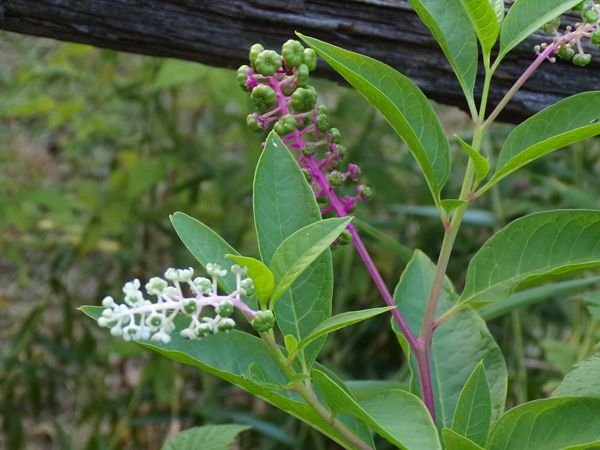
140 318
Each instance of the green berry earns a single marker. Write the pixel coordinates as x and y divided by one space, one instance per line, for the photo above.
263 321
582 59
310 59
293 53
345 238
551 26
308 150
341 149
242 76
566 52
335 178
596 37
303 99
267 62
225 308
190 306
307 175
322 109
254 52
590 16
253 123
322 122
365 192
302 76
335 135
263 97
285 125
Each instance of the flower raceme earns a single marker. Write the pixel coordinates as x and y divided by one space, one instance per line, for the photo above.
180 293
286 103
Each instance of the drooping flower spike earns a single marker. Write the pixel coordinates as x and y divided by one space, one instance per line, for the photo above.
286 103
179 293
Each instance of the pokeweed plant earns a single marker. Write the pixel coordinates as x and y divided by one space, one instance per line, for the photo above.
458 375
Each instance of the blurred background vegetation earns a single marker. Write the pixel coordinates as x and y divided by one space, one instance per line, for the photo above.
97 148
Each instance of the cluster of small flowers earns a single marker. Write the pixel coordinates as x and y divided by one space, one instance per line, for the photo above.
564 45
286 103
140 318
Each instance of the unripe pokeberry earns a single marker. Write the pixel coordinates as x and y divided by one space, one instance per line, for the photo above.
263 97
341 149
308 150
590 16
307 175
285 125
310 59
551 26
302 75
263 321
322 122
582 59
242 76
267 62
344 238
253 123
566 52
303 99
335 135
596 37
365 192
254 52
293 53
225 309
335 178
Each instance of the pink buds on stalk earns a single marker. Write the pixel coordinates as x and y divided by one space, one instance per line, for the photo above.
286 103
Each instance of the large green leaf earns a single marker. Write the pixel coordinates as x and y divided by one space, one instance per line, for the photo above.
455 441
205 245
342 320
458 345
398 416
550 424
402 104
473 414
299 250
284 203
571 120
450 26
525 17
485 21
231 356
531 249
583 381
213 437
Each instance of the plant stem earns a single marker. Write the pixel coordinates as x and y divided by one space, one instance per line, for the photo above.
308 394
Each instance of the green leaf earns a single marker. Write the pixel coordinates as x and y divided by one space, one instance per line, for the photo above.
455 441
549 424
527 16
213 437
342 320
264 281
473 415
230 356
450 26
299 250
532 296
402 104
570 120
480 162
205 245
284 203
583 381
592 302
587 446
485 21
398 416
531 249
458 345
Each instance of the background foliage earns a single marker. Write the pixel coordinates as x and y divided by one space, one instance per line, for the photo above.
97 148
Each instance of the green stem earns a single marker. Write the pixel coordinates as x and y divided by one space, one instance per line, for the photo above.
306 391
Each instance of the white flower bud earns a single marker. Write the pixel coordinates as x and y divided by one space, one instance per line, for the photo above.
185 275
215 270
161 336
171 274
108 302
187 333
204 285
